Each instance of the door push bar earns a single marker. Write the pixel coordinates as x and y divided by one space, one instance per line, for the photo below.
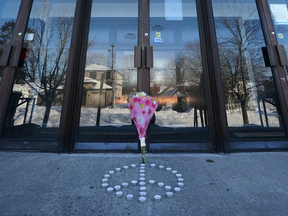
148 55
270 60
13 52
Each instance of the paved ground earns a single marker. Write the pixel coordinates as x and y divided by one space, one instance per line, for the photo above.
71 184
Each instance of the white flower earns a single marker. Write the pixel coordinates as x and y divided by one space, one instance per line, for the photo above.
154 102
140 120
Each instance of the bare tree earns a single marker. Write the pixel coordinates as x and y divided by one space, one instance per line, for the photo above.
46 65
239 41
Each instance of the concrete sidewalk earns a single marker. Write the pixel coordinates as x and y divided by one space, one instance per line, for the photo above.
71 184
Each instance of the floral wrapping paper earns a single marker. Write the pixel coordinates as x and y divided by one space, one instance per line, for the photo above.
142 107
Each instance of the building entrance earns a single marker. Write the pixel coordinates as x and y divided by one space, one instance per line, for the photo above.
68 67
158 53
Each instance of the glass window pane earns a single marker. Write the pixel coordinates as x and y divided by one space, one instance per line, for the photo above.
252 104
36 99
8 14
177 76
110 76
278 10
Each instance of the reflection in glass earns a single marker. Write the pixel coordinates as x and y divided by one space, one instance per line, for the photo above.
251 99
177 75
36 100
8 15
110 75
277 7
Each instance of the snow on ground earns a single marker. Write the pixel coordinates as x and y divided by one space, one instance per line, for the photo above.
120 116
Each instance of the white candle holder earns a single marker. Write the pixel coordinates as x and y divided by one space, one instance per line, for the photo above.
117 188
111 172
104 185
119 194
142 199
177 190
105 180
168 188
151 182
125 185
109 190
169 195
157 198
129 197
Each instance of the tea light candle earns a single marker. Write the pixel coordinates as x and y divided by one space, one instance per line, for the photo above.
174 172
178 175
177 189
142 193
125 167
142 171
119 194
142 199
142 179
142 174
133 182
152 165
157 198
151 182
105 180
106 176
180 184
143 165
118 169
168 188
161 167
110 190
168 169
104 185
180 179
142 188
125 185
111 172
142 183
133 165
161 184
169 194
117 187
129 197
142 168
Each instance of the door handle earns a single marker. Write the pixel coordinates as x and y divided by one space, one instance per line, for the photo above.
137 56
282 55
6 55
149 57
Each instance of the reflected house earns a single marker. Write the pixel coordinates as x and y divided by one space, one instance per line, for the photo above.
92 84
174 98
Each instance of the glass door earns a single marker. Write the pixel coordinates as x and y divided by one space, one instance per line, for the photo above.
253 108
8 14
177 78
109 78
111 74
35 104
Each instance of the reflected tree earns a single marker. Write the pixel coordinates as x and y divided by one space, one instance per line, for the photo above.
239 43
47 55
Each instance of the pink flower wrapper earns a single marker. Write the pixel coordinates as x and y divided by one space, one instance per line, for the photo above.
142 109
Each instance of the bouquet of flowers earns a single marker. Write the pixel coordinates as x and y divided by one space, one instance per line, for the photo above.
142 108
